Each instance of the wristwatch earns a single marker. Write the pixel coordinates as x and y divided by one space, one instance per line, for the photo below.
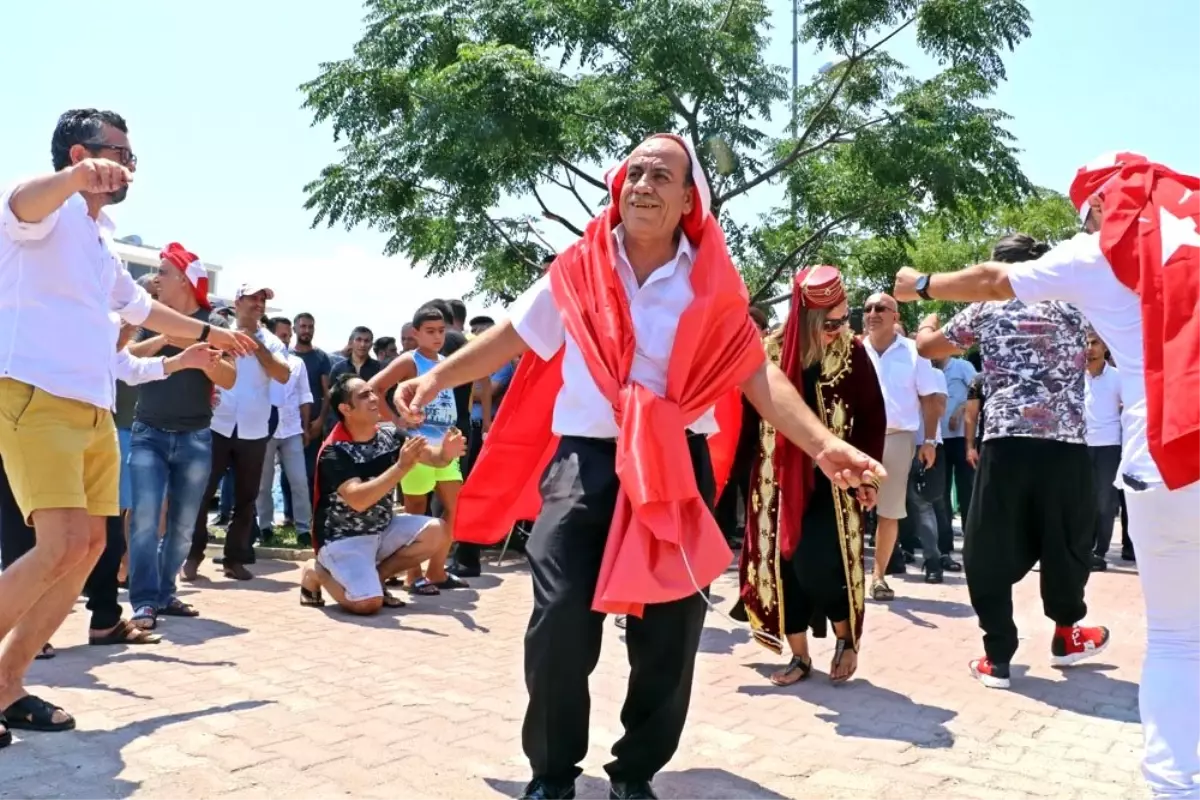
203 337
930 442
922 287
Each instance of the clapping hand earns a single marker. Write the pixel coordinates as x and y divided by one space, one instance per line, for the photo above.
199 356
411 451
454 445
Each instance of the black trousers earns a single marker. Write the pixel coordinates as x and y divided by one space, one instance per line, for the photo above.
814 578
1033 502
465 554
562 643
960 478
17 539
246 456
1105 462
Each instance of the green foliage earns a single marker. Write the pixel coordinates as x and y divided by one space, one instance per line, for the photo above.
447 107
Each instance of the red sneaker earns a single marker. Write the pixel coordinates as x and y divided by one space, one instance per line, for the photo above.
1074 644
993 676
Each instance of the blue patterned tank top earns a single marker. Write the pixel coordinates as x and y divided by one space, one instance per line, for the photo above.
441 413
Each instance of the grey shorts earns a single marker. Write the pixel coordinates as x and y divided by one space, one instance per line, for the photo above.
353 562
898 450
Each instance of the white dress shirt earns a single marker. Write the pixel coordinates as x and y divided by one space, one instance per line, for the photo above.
1076 272
655 307
247 406
134 371
288 397
1102 407
59 283
905 378
943 390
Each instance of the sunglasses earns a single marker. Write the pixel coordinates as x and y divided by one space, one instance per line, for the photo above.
834 324
878 308
124 154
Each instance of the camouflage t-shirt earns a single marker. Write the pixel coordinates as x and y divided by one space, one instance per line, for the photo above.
340 461
1033 363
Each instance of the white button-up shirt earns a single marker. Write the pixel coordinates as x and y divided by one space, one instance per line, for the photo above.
134 371
288 397
60 282
247 406
1077 272
905 378
655 308
943 389
1102 407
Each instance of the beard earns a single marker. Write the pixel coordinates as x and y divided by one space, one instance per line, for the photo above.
118 196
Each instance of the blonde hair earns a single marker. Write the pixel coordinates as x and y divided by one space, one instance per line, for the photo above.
812 324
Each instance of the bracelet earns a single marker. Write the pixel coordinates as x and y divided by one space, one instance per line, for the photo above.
203 337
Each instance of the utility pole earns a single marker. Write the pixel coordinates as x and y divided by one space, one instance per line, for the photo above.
795 60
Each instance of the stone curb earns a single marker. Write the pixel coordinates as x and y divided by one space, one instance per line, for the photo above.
268 553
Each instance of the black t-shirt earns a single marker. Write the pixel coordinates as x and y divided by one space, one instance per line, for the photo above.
975 392
318 365
455 340
339 462
183 402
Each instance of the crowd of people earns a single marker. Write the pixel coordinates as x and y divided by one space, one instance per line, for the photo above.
1040 409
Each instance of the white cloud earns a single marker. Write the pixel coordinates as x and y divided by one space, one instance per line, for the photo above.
348 287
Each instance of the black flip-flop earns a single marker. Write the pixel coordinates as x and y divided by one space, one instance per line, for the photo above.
311 598
423 586
32 713
391 601
452 582
178 608
797 663
45 654
125 633
6 737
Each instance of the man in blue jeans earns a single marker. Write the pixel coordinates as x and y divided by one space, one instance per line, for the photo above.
171 448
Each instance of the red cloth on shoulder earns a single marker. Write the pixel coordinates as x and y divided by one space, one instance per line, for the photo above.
660 519
1150 234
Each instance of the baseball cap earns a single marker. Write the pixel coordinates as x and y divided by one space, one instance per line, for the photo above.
247 289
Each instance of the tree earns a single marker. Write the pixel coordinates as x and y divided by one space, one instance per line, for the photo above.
446 108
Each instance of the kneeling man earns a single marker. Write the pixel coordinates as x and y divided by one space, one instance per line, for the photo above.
359 539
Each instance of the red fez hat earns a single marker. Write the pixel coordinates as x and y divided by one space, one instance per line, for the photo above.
819 287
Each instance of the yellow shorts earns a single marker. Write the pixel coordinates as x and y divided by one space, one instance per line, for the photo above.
58 453
422 478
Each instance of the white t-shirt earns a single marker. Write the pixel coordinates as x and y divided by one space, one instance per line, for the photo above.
1078 273
945 391
905 378
246 408
1102 407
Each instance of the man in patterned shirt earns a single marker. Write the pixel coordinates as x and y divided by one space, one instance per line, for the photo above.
1033 491
359 539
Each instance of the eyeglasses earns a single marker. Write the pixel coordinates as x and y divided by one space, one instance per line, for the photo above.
124 154
834 324
877 308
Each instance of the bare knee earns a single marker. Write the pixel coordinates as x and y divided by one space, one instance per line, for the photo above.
64 538
364 608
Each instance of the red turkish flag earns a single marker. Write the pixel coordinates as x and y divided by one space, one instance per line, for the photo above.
1150 234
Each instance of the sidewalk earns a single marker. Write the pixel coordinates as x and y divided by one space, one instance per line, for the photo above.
263 698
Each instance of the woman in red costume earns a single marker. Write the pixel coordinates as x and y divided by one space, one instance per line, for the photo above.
802 562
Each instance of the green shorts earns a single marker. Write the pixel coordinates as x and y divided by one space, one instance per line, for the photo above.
421 479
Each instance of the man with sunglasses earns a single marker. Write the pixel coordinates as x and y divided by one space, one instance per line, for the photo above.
61 281
913 396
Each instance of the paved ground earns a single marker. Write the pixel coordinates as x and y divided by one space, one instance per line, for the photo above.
263 698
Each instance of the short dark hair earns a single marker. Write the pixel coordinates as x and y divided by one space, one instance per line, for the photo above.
340 393
265 321
80 126
383 343
442 306
760 317
482 319
458 310
428 313
274 322
1018 247
304 315
360 330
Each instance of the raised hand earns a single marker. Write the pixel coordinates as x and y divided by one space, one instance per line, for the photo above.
455 444
199 356
100 176
232 341
412 395
410 451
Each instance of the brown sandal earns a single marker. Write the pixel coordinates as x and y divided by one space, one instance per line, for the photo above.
797 664
125 633
838 652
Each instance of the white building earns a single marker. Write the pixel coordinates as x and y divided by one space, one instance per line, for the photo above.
142 259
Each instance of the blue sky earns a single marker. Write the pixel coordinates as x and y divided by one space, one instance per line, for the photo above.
210 92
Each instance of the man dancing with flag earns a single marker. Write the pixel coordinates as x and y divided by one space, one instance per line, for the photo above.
1135 274
637 330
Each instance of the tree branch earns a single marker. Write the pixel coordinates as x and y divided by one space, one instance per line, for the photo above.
504 235
816 236
548 214
799 150
599 184
533 229
574 191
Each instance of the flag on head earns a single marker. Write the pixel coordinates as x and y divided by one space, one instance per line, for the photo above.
192 268
1096 175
